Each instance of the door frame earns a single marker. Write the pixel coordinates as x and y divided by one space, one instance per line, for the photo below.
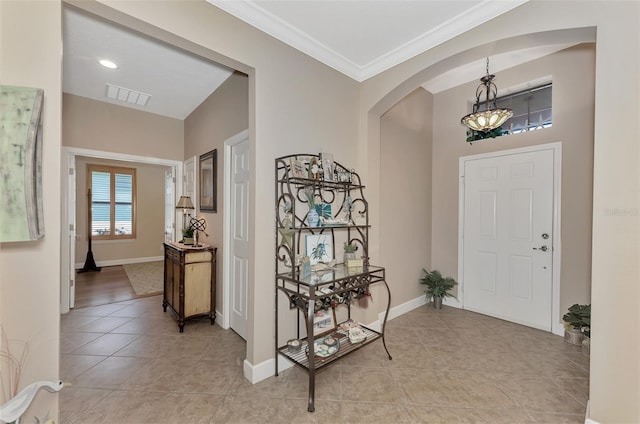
226 226
68 158
556 324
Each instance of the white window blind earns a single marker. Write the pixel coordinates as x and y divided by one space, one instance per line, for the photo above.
112 202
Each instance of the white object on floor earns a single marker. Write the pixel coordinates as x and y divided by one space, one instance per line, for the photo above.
15 407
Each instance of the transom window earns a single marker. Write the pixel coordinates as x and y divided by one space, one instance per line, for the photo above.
531 109
113 202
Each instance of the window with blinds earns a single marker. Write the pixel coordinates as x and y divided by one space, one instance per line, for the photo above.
531 109
112 202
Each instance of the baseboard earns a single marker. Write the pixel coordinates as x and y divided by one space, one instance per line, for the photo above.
220 320
264 370
123 261
409 306
588 420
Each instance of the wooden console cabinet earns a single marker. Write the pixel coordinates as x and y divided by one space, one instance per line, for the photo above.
189 281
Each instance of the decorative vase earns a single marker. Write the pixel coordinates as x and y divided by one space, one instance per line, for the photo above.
313 218
573 336
187 240
586 346
437 302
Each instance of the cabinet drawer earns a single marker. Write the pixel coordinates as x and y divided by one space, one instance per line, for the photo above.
197 257
174 255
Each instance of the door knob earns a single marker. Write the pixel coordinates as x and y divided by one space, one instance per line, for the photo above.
543 248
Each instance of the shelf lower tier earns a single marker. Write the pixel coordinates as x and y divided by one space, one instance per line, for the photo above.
300 358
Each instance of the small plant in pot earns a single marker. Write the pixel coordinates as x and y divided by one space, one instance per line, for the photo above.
438 287
187 235
349 251
577 323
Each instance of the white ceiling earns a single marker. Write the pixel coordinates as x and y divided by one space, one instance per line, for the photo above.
363 38
359 38
177 81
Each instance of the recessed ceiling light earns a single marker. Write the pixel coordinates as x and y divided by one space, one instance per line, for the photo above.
108 64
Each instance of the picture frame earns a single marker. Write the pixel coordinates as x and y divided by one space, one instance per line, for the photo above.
324 322
297 169
319 248
208 171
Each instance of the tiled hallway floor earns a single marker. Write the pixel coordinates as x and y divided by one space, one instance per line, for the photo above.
127 363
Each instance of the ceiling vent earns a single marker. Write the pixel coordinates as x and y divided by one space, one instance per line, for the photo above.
126 95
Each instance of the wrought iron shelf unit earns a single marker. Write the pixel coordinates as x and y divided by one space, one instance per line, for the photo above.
342 200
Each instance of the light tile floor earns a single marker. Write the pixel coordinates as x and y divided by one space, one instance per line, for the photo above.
127 363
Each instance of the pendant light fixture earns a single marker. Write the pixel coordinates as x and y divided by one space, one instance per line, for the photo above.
489 117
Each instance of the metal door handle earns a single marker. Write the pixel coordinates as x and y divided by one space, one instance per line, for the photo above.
543 248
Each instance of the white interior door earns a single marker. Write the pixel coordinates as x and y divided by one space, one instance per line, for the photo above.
508 237
238 232
190 180
189 186
169 204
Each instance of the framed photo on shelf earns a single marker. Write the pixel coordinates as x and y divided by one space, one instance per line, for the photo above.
297 168
319 248
324 322
208 181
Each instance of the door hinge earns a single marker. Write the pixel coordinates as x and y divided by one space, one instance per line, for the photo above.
72 283
71 227
72 171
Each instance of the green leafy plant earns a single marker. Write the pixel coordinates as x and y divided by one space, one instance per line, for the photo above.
309 194
437 285
473 135
350 247
579 317
187 232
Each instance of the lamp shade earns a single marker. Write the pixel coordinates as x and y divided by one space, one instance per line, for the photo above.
184 203
486 116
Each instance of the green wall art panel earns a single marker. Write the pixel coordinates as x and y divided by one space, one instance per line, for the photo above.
21 217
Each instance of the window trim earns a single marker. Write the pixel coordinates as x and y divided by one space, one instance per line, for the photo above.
113 170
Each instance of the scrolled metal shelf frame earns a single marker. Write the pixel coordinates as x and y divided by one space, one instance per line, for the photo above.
311 293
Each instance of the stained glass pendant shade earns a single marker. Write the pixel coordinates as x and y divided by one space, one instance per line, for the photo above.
486 116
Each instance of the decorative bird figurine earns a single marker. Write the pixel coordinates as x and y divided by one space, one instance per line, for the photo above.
12 410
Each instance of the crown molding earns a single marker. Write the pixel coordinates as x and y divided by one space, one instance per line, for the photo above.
250 12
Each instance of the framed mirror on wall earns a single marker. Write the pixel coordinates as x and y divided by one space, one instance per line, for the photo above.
208 181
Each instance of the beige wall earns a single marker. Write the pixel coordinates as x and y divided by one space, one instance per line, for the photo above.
149 210
406 163
573 114
222 115
30 56
90 124
614 385
296 104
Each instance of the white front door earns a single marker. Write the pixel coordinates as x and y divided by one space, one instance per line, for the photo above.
508 236
238 233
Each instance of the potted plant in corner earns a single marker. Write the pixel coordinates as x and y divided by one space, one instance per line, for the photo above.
577 323
437 286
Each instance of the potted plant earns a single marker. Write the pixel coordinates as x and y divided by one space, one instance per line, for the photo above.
437 286
577 323
187 235
349 251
